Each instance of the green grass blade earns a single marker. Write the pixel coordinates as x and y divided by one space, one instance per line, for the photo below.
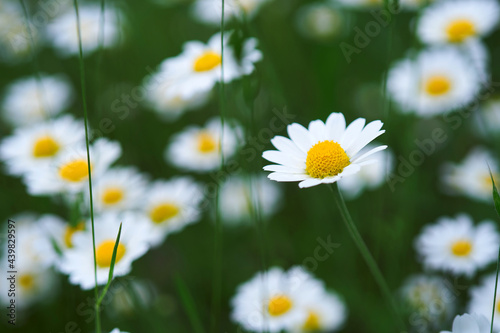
496 196
496 200
188 304
111 268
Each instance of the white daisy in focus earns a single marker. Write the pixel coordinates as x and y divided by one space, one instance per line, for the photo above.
62 31
29 100
79 265
119 189
240 195
209 11
69 171
324 153
172 205
471 177
199 148
198 68
457 21
457 246
319 21
481 300
36 146
437 81
370 176
467 323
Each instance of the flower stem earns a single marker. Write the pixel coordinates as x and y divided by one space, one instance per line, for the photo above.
365 252
495 294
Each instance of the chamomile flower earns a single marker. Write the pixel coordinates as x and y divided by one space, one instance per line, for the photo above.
209 11
240 195
319 21
324 153
457 246
172 205
29 100
471 177
120 188
470 323
199 148
79 265
457 21
437 81
198 68
69 171
370 176
62 31
36 146
488 121
481 300
59 231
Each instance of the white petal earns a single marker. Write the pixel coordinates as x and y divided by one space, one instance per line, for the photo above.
317 130
359 159
352 132
284 177
283 169
279 157
309 182
350 170
300 136
369 133
287 146
335 126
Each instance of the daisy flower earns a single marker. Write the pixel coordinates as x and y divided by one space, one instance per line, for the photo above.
369 177
239 195
62 31
198 68
199 148
29 100
119 188
470 323
489 120
60 231
69 171
324 153
437 81
481 300
37 146
471 177
457 21
172 205
319 21
209 11
457 246
79 265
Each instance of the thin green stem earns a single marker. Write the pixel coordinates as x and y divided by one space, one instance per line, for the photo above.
365 252
495 294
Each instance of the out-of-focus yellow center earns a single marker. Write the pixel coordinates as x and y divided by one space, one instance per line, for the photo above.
70 231
207 61
74 171
326 159
437 85
112 195
104 253
206 143
312 322
45 146
163 212
498 307
459 30
26 281
461 248
279 305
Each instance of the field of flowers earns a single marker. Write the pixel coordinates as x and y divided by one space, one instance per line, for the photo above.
215 166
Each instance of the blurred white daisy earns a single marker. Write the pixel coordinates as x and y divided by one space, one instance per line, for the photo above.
457 21
319 21
239 195
481 300
172 205
60 231
69 171
370 176
62 31
457 246
467 323
471 177
198 68
36 146
437 81
324 153
488 117
29 100
119 189
199 148
78 262
209 11
116 330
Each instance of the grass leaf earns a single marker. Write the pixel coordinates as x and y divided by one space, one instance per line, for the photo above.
496 196
188 304
111 267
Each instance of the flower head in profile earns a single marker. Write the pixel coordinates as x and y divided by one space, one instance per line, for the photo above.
470 323
323 153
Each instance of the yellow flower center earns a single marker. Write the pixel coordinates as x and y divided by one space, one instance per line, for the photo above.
112 195
74 171
312 322
163 212
498 306
461 248
206 143
104 253
26 281
437 85
45 146
326 159
459 30
70 231
279 305
207 61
